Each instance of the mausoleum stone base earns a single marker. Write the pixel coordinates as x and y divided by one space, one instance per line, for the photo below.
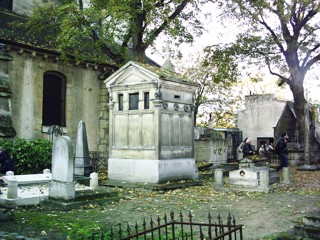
151 171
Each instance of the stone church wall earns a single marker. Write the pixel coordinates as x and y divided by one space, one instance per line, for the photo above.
86 98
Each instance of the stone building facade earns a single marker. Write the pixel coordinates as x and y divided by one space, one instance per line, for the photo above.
82 97
48 91
265 118
260 116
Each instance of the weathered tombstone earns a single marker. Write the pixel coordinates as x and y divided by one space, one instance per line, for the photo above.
62 185
218 176
82 160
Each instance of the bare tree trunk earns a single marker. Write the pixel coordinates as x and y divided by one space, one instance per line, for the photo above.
306 130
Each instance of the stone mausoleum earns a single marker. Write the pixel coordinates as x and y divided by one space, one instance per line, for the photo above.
150 125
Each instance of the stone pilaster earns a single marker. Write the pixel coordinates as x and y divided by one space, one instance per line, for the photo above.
103 119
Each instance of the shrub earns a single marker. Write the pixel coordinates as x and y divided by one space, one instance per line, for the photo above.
29 156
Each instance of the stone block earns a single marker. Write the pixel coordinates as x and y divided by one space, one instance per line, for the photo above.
62 190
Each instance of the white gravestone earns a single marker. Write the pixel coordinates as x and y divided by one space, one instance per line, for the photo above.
62 185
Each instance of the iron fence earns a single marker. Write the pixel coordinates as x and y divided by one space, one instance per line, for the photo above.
98 161
170 228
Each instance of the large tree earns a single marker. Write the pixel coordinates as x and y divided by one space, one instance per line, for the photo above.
284 36
215 96
116 30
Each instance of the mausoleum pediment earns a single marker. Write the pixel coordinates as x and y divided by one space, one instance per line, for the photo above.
131 73
135 73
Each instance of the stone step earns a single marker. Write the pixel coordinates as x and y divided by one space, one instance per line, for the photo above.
307 231
312 221
310 227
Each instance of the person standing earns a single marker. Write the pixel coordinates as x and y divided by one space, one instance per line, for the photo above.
240 149
262 150
5 161
282 151
247 149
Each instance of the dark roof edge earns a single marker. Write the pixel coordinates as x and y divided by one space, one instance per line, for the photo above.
48 51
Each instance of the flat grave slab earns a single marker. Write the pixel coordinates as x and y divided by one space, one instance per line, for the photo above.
28 178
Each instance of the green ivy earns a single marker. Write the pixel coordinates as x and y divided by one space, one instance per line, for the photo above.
29 156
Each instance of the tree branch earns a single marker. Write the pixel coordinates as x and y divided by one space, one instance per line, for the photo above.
311 62
301 24
105 48
308 54
165 23
283 79
274 36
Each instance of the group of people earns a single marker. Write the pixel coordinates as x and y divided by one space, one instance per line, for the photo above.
265 148
245 149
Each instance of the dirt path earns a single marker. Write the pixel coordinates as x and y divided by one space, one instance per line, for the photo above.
261 213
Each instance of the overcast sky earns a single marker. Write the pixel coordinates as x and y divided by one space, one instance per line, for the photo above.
217 33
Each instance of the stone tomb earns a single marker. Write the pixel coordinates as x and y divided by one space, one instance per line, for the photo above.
29 179
62 193
253 179
151 125
211 147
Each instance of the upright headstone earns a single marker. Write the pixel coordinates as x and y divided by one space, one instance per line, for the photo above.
82 161
62 185
218 176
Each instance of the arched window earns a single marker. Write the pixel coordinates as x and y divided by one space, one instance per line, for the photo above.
54 99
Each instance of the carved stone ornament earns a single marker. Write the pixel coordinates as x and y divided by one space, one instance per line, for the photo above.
165 105
187 108
176 107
